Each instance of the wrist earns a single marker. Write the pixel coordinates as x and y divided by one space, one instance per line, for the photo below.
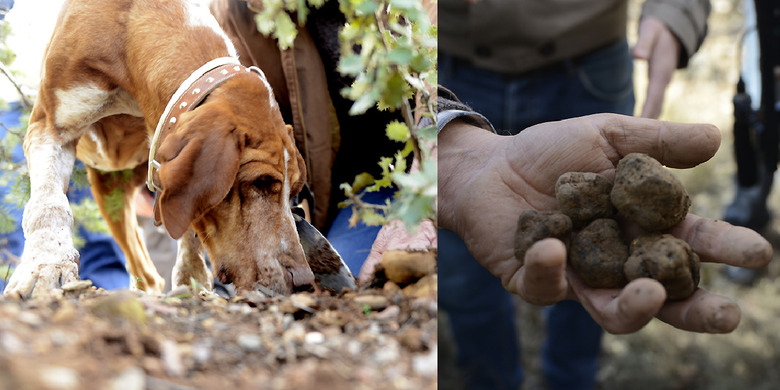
464 151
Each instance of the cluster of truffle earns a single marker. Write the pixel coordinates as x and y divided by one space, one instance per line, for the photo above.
644 192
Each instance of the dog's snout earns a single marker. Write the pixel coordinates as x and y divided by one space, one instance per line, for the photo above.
300 278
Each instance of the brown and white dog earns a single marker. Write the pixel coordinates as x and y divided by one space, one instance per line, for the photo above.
226 164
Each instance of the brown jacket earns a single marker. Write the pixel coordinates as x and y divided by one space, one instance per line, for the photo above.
335 146
515 36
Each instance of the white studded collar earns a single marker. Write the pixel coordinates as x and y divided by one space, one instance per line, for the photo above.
189 95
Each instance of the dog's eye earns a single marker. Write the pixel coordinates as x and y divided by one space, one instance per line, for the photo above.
268 184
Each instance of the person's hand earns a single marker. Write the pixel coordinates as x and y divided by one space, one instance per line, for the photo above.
486 179
394 236
660 48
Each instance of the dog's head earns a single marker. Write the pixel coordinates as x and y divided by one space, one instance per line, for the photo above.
229 171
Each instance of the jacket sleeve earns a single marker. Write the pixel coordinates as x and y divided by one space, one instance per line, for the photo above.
687 19
449 108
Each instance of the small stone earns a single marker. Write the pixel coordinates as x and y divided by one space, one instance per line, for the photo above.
65 313
11 343
30 318
391 288
374 302
388 353
201 352
388 314
249 342
427 364
406 267
411 338
131 378
77 285
425 304
304 302
58 378
123 306
314 338
171 357
296 334
208 323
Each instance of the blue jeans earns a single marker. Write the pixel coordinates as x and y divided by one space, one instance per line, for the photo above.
598 82
354 243
101 259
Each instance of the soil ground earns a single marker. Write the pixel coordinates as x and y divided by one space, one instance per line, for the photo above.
379 338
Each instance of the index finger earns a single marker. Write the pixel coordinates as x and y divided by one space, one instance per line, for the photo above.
677 145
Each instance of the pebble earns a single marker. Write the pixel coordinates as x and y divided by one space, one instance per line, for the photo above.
208 323
58 378
66 312
11 344
388 353
77 285
298 302
390 313
428 304
29 318
411 338
171 357
427 364
201 352
296 334
132 378
391 288
354 347
249 342
120 307
59 338
314 338
375 302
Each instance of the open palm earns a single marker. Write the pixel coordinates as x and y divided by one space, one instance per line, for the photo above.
485 180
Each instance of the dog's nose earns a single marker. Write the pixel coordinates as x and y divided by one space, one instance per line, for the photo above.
301 278
300 275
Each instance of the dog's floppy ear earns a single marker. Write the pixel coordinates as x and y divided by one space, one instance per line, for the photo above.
198 165
297 185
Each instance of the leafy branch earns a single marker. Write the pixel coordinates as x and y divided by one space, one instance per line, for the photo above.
389 47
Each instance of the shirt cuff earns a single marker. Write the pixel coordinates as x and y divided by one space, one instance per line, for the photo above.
471 117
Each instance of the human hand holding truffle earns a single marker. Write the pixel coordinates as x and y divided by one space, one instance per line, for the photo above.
486 180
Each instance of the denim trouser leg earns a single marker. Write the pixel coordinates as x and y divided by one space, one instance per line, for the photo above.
101 259
354 243
481 317
599 82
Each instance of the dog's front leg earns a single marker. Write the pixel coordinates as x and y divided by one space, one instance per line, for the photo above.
191 264
49 259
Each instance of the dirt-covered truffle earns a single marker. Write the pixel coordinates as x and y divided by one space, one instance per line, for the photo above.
584 197
533 226
667 259
648 194
598 254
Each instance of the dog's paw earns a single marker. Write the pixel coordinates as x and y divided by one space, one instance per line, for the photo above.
33 279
